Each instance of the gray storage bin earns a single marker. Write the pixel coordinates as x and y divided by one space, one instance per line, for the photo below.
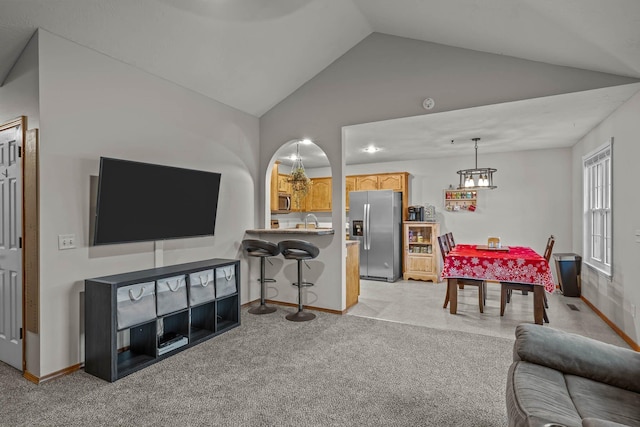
171 294
225 281
136 304
201 287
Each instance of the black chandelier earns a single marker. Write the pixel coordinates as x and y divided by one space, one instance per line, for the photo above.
477 178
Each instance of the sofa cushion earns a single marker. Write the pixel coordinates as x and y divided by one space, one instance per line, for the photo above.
577 355
537 395
599 400
597 422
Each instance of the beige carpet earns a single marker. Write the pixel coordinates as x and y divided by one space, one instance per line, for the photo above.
332 371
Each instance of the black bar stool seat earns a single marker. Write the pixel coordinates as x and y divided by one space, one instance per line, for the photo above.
262 249
299 250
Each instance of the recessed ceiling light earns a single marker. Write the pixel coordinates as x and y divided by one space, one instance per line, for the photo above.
371 149
293 157
306 141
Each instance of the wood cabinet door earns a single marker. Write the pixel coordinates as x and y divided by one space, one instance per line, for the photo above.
274 188
284 186
391 182
320 195
350 184
422 264
367 182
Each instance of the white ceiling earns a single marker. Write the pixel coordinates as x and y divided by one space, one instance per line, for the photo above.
540 123
252 54
535 124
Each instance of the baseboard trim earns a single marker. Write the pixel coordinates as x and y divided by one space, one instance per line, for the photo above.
38 380
290 304
612 325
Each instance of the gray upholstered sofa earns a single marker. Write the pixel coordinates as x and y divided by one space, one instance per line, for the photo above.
563 379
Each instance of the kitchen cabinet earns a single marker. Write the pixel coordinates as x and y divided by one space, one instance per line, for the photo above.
350 185
421 253
279 184
367 182
384 181
318 198
274 188
353 273
284 186
396 181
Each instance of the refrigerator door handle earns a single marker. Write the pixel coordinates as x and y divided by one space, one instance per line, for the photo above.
364 227
367 235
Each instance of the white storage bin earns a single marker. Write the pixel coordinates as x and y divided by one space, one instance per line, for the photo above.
171 294
201 287
136 304
225 281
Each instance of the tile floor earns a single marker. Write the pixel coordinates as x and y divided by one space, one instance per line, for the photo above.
420 303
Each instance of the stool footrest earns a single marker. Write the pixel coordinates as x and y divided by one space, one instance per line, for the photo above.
304 284
267 280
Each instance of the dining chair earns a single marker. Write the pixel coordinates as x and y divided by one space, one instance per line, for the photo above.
450 241
507 288
481 284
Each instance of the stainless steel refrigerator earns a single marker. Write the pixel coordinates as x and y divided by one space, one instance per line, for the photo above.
376 221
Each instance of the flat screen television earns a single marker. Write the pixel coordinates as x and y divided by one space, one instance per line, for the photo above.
142 202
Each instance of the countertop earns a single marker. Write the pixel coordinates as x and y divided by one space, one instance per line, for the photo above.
352 242
307 231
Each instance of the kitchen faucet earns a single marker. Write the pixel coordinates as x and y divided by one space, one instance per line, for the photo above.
315 219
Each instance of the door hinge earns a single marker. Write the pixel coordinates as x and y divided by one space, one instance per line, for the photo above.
19 151
20 242
20 333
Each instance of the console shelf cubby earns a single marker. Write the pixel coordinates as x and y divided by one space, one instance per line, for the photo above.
112 353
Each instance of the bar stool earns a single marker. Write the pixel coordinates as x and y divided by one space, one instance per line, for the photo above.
262 249
300 250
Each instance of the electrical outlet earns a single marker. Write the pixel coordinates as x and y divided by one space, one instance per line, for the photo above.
66 241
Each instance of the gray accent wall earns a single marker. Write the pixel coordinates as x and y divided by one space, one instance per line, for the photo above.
91 105
386 77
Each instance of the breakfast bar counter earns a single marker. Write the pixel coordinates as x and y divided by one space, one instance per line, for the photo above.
307 231
334 289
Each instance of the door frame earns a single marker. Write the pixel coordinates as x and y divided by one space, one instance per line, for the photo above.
21 122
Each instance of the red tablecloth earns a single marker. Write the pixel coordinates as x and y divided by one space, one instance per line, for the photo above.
520 265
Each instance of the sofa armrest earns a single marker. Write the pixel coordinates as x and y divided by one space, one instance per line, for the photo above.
596 422
577 355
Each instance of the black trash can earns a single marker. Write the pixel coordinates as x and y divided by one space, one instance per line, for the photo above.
568 269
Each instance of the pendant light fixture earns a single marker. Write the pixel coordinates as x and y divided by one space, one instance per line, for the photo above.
478 178
300 183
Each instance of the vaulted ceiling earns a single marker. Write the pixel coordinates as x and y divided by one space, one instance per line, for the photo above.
251 54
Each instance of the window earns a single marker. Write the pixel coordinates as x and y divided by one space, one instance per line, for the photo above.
597 240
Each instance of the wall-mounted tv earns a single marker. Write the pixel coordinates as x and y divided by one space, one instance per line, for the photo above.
141 202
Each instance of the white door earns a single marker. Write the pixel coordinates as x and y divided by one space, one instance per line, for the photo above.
11 246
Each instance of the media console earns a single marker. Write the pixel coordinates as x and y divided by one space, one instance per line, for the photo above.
135 319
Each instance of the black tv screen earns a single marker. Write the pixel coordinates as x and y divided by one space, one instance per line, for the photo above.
142 202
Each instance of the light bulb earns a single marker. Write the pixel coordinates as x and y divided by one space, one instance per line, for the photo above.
469 182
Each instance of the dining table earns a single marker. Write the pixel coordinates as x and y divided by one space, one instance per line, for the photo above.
514 264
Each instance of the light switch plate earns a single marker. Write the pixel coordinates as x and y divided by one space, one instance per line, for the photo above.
66 241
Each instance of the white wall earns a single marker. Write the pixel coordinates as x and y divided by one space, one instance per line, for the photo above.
92 106
522 210
386 77
615 298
